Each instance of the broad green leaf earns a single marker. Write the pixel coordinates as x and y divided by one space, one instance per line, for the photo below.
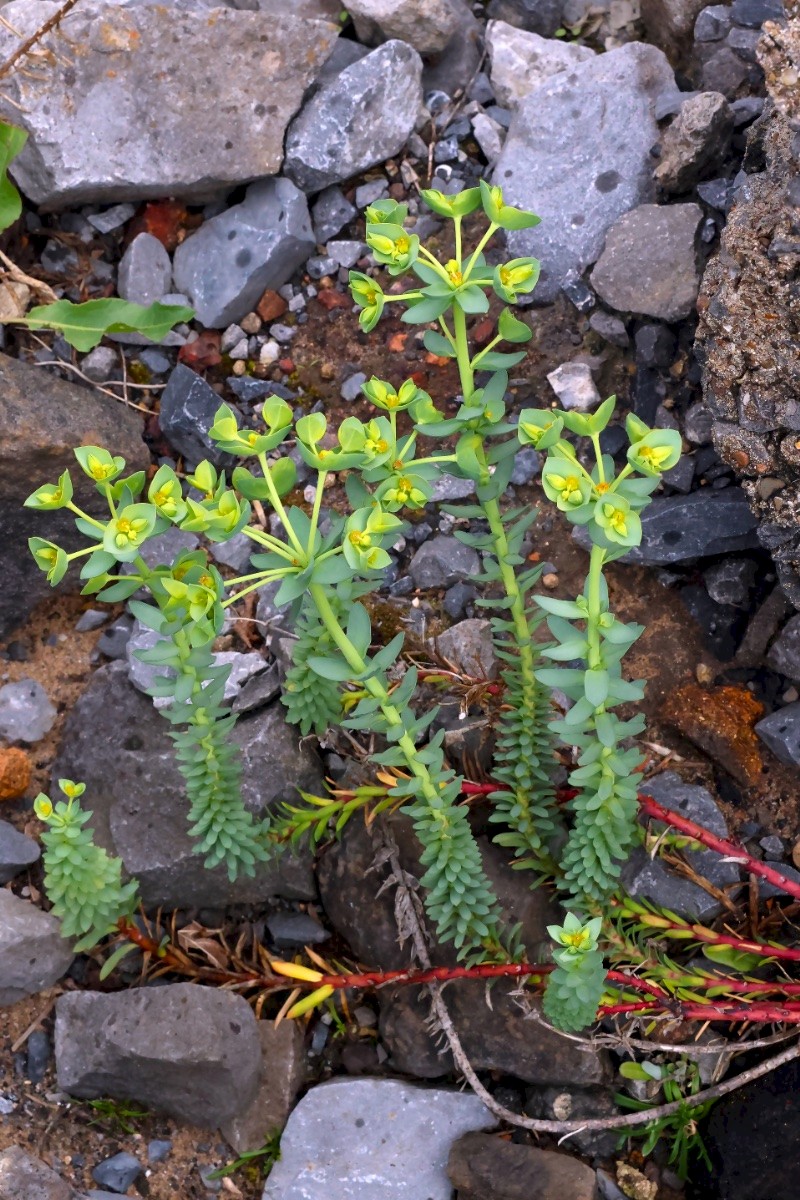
12 139
84 325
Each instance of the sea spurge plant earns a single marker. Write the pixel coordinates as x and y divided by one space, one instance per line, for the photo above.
83 882
325 570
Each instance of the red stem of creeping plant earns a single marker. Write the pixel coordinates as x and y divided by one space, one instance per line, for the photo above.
652 808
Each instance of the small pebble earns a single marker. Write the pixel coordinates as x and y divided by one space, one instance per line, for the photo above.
158 1149
351 388
117 1173
93 618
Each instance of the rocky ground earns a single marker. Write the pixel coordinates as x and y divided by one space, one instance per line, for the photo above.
664 166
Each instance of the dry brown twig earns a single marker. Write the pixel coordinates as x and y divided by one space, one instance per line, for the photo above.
532 1124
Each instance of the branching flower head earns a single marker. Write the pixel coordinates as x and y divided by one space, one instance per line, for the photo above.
364 531
166 494
617 520
98 464
565 484
127 532
390 399
225 432
392 246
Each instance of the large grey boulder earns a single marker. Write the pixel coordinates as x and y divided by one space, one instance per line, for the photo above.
226 266
578 155
362 117
520 61
140 808
189 1051
153 105
366 1139
649 263
33 954
42 418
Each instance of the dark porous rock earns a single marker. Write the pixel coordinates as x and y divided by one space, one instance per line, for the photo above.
780 731
42 418
33 954
483 1167
576 1104
695 142
661 242
352 872
753 1140
751 14
188 408
722 625
747 337
651 879
140 808
192 1052
713 23
23 1177
468 646
724 71
16 852
784 653
496 1038
731 581
681 528
443 561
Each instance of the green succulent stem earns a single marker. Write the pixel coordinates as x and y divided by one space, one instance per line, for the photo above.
597 558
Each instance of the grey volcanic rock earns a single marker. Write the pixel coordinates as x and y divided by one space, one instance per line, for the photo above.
362 117
187 411
151 105
539 16
186 1050
520 61
369 1139
578 155
784 654
26 713
747 339
649 264
140 809
33 954
780 731
478 1160
226 266
282 1072
695 142
145 271
679 528
443 561
23 1177
42 418
16 852
424 24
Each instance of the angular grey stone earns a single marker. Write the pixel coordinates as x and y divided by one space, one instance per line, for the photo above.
450 487
731 581
695 142
780 731
330 212
651 879
573 384
443 561
555 164
23 1177
649 264
93 618
33 954
351 388
117 1173
226 266
357 120
744 42
235 553
283 1070
678 528
26 713
100 363
42 418
112 218
114 639
424 24
452 70
16 852
188 408
669 23
610 328
122 120
346 253
527 465
713 23
521 61
295 929
477 1160
140 810
489 135
469 647
784 653
258 691
190 1051
145 271
539 16
724 72
698 424
366 1139
368 193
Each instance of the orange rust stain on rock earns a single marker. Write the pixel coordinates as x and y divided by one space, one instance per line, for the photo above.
719 721
15 773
